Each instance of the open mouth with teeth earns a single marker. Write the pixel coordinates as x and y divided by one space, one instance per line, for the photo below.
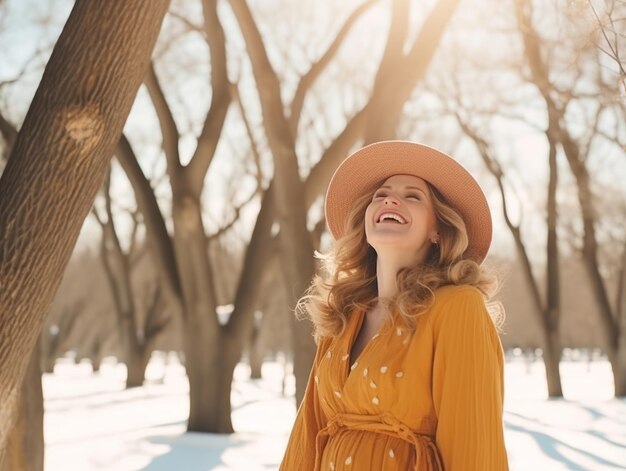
391 218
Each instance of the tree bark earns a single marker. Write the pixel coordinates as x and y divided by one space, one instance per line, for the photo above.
25 447
620 377
58 162
203 342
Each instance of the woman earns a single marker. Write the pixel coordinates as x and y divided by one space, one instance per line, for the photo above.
409 368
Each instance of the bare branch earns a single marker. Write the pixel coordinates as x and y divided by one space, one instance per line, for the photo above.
307 80
167 123
320 174
220 99
156 230
222 230
614 54
191 26
253 144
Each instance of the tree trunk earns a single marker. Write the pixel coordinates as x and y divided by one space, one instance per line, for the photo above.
620 374
551 360
256 363
25 448
552 314
256 352
296 249
136 359
186 275
58 162
608 320
202 333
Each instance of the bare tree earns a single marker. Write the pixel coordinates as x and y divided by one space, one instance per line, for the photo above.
212 350
576 153
58 160
137 337
292 195
548 311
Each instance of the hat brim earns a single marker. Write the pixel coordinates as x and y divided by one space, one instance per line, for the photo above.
364 170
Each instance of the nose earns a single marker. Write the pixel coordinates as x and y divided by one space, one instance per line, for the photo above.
391 200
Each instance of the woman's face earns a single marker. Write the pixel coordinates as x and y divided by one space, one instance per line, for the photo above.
401 217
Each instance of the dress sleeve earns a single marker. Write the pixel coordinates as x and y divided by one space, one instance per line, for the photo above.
310 419
468 389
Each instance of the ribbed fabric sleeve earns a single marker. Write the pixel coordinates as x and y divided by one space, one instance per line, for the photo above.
468 384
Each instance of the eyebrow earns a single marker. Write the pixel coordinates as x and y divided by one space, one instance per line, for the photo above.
387 187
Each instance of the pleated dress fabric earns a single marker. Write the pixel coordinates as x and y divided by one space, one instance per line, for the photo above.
427 399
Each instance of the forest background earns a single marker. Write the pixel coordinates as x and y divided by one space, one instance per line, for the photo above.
199 236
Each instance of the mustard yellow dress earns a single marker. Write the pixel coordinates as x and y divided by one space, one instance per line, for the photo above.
425 400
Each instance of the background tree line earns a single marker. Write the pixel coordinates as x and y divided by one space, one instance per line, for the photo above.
241 113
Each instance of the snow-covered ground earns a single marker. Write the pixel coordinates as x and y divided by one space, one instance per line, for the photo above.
92 423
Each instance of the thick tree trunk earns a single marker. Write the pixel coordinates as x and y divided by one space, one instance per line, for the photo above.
25 448
58 162
184 269
202 332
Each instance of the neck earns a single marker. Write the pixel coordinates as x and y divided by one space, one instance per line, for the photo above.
387 268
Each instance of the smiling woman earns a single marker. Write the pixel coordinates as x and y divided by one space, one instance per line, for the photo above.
409 367
401 214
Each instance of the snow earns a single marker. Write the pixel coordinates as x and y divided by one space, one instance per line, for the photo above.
93 423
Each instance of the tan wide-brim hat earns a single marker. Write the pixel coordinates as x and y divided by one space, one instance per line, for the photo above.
365 170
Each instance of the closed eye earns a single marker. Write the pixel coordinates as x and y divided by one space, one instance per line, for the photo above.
414 196
380 194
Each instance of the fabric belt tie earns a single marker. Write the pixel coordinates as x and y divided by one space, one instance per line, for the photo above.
426 454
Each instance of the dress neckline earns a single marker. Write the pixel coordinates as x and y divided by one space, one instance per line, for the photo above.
356 323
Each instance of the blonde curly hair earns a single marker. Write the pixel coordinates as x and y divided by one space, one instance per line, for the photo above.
348 282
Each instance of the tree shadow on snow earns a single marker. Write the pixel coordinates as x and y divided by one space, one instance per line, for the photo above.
552 447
